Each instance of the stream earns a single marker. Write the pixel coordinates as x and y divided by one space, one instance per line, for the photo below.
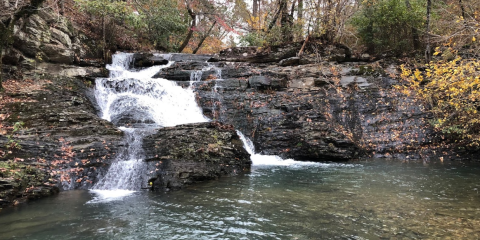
374 199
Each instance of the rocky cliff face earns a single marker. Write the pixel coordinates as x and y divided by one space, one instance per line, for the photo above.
44 39
325 111
50 135
61 137
190 153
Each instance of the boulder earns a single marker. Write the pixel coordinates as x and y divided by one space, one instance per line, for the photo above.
12 56
47 37
61 37
293 61
187 71
190 153
259 82
143 60
58 53
258 55
182 57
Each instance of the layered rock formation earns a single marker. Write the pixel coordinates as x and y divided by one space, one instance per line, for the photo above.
61 131
47 37
325 111
190 153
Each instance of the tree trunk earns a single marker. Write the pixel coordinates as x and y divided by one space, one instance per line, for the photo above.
104 40
256 16
300 10
463 12
62 6
284 12
286 22
4 32
415 37
1 67
369 38
427 50
204 37
190 32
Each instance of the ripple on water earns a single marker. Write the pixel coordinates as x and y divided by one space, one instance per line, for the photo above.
101 196
367 200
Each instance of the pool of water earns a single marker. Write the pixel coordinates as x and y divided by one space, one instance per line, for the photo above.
374 199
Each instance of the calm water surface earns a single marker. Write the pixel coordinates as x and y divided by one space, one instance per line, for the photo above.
362 200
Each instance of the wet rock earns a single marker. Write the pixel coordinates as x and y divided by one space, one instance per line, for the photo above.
186 71
266 82
30 182
142 60
325 112
190 153
290 61
47 37
259 81
182 57
61 129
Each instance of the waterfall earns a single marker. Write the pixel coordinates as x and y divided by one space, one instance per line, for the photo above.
196 75
137 104
260 160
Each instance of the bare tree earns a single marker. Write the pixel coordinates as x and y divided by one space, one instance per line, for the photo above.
428 52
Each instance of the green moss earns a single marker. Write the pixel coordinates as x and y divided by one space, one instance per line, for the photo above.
23 175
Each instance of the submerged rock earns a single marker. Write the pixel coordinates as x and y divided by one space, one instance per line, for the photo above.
190 153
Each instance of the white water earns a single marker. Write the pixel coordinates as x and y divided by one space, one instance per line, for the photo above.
259 160
147 100
137 103
196 76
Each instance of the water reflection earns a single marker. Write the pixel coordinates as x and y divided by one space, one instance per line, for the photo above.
364 200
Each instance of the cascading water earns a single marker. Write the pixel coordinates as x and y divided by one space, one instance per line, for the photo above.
196 76
137 103
259 160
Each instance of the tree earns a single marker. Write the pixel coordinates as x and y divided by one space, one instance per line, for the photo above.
427 24
108 11
206 17
9 17
388 25
192 14
203 38
162 21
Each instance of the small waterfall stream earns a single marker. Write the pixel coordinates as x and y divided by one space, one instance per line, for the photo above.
260 160
137 104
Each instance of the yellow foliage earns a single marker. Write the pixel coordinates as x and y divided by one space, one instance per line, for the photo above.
452 88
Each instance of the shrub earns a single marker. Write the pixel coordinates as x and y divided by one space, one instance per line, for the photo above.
452 91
